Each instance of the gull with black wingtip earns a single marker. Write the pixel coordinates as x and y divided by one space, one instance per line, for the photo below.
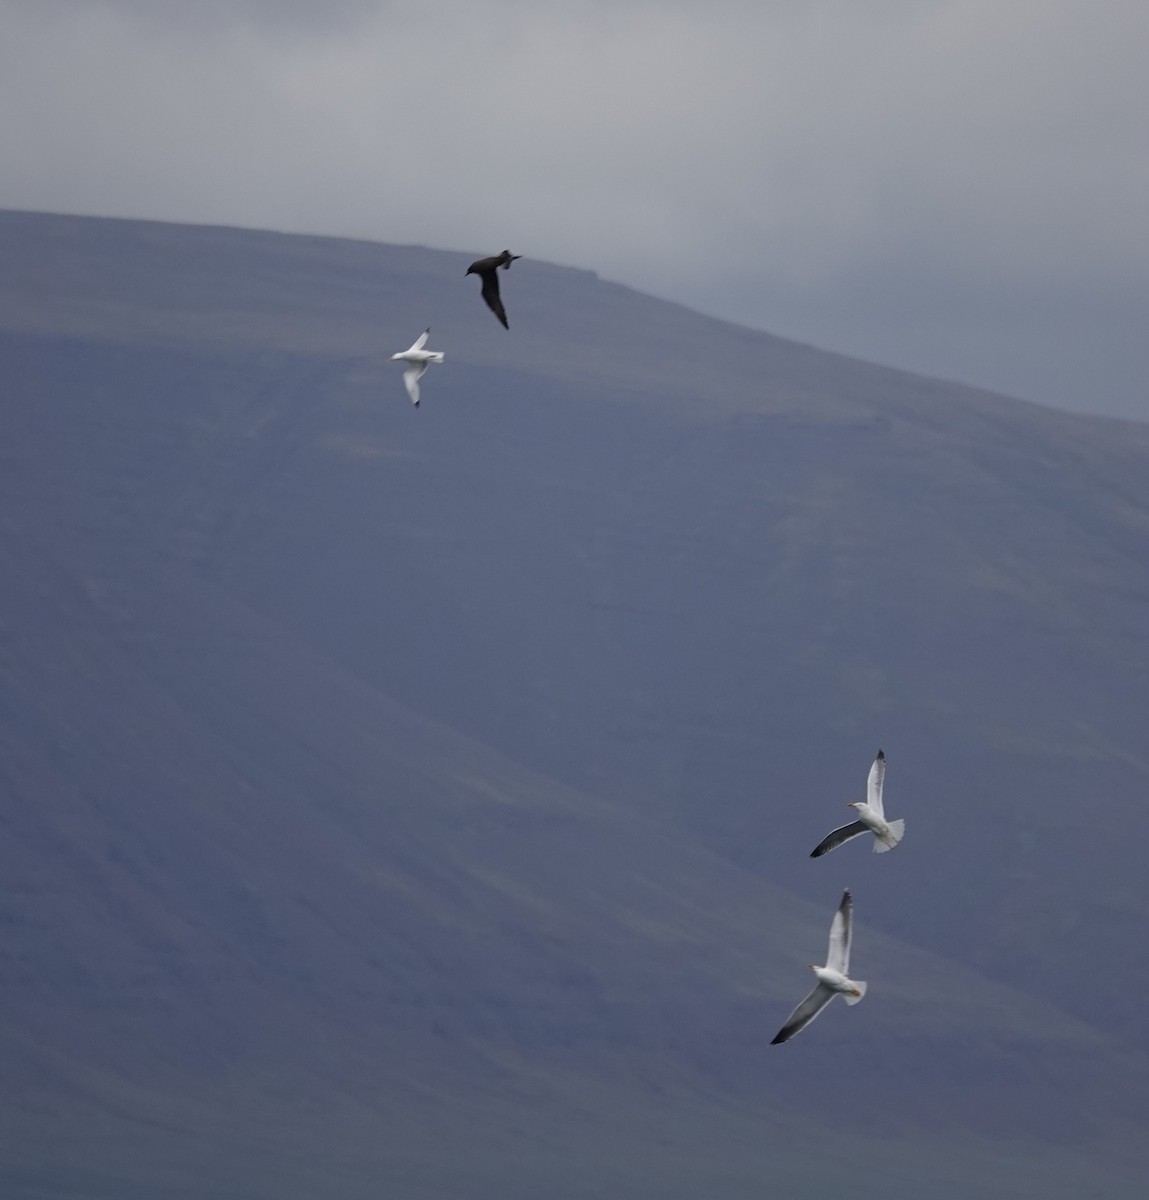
871 818
833 979
417 358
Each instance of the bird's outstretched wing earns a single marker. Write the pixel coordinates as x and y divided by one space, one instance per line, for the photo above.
491 296
421 340
874 783
804 1013
841 934
411 377
833 840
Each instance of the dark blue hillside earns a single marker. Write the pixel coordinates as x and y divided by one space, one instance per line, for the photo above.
423 800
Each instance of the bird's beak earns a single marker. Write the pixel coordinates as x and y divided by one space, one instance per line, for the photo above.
852 804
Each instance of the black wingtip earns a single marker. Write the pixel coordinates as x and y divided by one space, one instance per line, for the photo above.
778 1041
882 755
817 852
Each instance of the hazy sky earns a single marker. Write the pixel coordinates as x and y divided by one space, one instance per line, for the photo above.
956 186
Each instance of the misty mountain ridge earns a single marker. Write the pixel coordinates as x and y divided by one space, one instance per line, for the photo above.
425 797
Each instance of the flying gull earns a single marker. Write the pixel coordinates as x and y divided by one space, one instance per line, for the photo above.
871 818
833 979
486 269
418 358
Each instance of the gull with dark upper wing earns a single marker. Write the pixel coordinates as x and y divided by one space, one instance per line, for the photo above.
871 818
833 979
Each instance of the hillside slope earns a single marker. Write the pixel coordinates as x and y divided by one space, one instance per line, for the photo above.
305 696
257 914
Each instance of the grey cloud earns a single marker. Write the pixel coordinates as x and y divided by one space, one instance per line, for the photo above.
211 16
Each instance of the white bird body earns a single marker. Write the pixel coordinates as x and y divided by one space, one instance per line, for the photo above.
833 979
873 821
839 983
418 358
871 817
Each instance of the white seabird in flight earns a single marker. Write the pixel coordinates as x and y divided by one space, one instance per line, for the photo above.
871 818
833 979
418 358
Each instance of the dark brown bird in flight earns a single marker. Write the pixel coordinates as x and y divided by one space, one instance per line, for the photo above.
486 269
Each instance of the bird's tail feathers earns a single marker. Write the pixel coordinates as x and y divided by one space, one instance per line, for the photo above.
861 985
437 356
887 841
